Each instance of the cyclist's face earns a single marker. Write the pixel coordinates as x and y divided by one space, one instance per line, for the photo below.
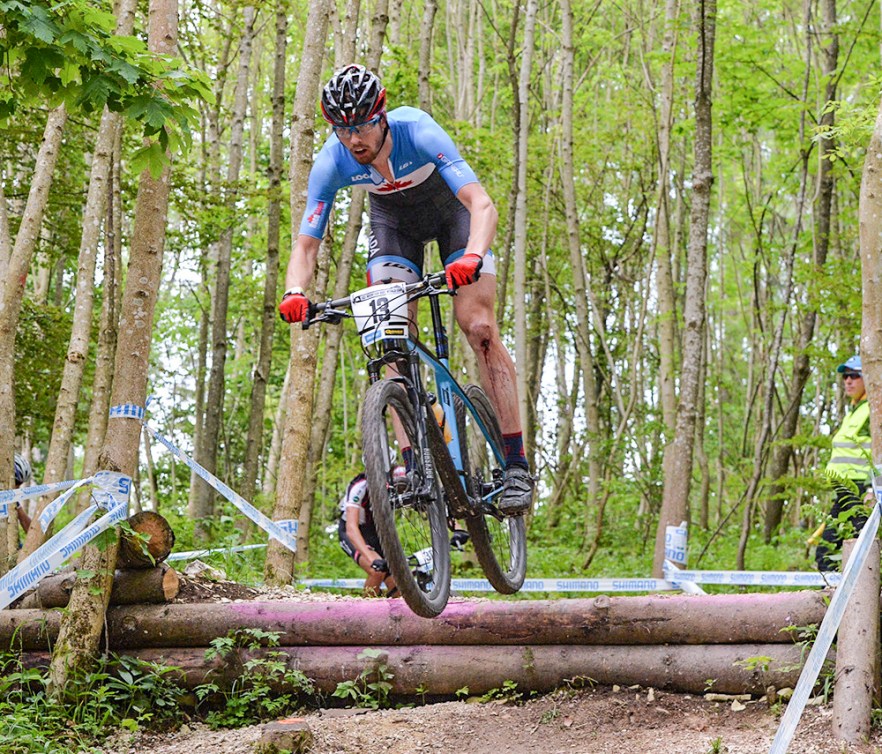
365 141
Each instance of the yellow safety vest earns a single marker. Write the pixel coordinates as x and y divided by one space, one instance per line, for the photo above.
851 457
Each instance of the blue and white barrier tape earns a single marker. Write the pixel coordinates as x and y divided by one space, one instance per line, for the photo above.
191 554
265 523
530 585
128 411
827 631
78 533
27 493
753 578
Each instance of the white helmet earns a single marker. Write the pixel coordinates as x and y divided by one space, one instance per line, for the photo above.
22 470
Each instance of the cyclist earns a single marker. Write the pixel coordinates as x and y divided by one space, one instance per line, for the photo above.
420 190
22 476
360 541
359 538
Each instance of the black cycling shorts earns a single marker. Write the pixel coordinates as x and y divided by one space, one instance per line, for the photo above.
399 234
368 531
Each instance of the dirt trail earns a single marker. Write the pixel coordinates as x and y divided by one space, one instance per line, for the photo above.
598 721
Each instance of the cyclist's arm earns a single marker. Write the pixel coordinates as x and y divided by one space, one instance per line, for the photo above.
482 228
368 554
301 266
324 182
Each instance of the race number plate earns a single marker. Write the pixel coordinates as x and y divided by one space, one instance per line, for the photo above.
381 312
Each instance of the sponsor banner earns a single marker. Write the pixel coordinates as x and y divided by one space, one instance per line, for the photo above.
753 578
675 543
192 554
530 585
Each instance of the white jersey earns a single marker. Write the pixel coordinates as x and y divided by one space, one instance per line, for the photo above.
356 499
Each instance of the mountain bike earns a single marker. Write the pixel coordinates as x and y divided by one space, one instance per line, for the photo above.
445 481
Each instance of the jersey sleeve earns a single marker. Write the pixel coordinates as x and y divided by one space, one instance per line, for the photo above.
438 147
324 182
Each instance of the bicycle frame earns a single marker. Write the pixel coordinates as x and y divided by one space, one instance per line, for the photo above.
447 387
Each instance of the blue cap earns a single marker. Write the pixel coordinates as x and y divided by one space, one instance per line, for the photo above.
853 364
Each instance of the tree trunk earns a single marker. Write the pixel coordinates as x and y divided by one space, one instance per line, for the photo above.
108 325
678 456
520 218
83 622
11 293
430 7
447 670
857 652
202 501
583 318
783 450
662 249
254 442
279 565
78 347
871 277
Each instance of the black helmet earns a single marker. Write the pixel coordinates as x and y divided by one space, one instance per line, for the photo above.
353 96
22 470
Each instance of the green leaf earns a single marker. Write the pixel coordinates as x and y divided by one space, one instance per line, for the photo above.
38 23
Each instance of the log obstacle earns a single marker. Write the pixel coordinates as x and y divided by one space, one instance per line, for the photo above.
130 587
444 670
656 619
723 643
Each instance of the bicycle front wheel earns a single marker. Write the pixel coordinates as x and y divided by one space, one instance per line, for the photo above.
408 513
500 543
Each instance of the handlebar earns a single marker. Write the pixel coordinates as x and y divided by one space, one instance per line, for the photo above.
333 311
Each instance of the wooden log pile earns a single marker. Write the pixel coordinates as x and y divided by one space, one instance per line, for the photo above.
723 643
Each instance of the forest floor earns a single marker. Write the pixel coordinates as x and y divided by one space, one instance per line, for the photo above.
600 720
604 720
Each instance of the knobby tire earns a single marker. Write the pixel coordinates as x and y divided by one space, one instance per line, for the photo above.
404 525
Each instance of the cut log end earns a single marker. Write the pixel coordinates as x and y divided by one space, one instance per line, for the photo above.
159 541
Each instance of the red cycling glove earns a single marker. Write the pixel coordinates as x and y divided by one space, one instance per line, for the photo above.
465 270
294 307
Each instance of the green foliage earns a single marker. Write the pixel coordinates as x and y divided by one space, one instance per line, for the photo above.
41 347
119 692
508 692
372 686
68 53
254 695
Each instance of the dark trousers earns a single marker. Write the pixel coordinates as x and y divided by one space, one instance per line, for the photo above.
845 498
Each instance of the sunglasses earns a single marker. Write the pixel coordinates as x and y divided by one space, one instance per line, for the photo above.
344 133
851 376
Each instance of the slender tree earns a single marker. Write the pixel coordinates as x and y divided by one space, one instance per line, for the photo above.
83 621
279 566
678 456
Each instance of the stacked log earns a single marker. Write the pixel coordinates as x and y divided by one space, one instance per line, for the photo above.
130 587
724 643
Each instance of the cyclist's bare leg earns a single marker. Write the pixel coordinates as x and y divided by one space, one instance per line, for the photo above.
473 307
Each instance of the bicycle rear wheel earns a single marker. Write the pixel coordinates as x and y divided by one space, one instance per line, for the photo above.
500 543
409 514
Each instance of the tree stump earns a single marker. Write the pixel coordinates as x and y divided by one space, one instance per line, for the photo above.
159 541
292 734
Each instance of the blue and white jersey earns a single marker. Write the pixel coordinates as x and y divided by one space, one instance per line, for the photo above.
423 160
